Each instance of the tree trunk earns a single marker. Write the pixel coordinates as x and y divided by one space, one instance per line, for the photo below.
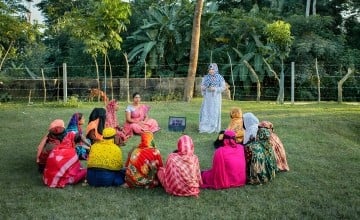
127 77
97 76
318 80
314 7
111 77
271 70
7 52
280 98
232 78
44 83
341 82
307 12
258 85
194 52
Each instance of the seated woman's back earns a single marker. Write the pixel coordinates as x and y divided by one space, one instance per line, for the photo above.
260 158
142 163
229 165
55 135
181 174
63 166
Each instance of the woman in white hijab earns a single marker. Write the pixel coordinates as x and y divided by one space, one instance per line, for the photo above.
251 123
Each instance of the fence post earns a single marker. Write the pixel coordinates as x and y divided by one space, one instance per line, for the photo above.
64 82
292 82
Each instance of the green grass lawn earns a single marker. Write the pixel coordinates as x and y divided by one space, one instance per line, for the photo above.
322 143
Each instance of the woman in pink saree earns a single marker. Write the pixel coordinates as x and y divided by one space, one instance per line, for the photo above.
137 119
229 165
63 166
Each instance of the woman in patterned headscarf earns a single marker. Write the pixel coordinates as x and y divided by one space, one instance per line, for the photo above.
82 145
229 165
181 174
143 163
260 158
212 86
111 121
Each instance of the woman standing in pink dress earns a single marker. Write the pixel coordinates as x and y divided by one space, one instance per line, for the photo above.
229 165
137 119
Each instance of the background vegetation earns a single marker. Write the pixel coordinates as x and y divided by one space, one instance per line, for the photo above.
246 38
321 140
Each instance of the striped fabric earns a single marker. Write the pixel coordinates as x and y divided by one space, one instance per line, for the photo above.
181 174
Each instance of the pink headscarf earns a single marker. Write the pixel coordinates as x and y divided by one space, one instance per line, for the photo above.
230 138
181 174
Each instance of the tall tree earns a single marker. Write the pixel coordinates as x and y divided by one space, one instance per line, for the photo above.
98 26
14 28
280 39
194 53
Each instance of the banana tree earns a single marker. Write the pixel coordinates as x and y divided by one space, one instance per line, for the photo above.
165 29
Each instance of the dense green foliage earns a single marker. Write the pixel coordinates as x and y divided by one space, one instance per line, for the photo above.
155 36
322 143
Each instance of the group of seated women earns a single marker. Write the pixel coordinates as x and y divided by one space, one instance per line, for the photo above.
58 137
247 152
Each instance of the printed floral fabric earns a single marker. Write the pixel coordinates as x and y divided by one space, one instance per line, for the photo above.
277 146
260 158
143 163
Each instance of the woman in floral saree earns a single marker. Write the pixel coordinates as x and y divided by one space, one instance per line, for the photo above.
277 146
143 163
260 158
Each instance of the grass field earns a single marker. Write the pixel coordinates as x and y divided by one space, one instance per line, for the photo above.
322 142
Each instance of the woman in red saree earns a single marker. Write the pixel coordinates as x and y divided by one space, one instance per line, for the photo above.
137 119
55 135
143 163
63 166
181 174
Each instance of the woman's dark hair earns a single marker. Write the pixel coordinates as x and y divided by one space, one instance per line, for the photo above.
135 94
98 113
80 116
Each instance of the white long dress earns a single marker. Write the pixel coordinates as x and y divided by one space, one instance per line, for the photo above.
210 112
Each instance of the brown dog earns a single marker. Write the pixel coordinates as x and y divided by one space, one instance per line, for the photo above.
94 93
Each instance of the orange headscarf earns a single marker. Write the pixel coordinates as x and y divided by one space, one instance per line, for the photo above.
147 140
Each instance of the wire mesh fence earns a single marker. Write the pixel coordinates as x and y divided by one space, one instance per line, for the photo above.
157 89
